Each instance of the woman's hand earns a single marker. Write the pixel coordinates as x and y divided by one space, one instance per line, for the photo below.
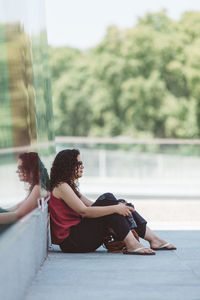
124 210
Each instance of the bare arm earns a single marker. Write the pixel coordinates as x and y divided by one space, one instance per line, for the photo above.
8 217
23 208
29 203
65 192
86 201
13 208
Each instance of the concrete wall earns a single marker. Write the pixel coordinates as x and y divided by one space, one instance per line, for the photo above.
23 248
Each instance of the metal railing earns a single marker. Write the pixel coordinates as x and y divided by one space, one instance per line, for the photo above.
159 166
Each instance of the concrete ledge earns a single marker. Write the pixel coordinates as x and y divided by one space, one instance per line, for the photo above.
23 248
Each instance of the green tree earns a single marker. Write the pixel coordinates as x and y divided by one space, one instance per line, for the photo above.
142 81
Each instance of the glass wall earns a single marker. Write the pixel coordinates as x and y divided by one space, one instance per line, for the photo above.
26 123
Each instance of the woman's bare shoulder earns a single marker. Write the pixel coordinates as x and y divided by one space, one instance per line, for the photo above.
36 187
35 191
61 188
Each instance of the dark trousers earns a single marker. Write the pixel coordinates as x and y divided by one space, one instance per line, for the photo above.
139 220
88 235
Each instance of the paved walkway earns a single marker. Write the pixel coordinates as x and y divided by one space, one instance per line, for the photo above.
169 275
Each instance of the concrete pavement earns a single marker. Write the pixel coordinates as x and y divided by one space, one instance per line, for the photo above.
167 275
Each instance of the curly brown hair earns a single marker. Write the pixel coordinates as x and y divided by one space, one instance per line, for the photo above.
34 169
64 169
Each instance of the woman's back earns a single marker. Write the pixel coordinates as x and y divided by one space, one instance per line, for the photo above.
62 218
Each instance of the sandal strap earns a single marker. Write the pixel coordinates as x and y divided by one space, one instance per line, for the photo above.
165 245
138 249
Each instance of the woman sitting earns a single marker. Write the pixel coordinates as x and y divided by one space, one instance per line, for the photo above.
30 170
79 225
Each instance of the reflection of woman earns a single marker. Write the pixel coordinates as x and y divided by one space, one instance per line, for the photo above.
30 170
79 225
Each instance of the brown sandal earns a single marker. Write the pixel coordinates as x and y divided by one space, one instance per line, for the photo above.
164 247
136 252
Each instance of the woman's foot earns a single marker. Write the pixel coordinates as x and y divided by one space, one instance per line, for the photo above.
156 243
160 244
140 249
132 244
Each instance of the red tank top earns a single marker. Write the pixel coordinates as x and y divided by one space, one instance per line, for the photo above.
62 218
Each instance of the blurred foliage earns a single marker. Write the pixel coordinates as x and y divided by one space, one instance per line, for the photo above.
25 89
141 82
17 121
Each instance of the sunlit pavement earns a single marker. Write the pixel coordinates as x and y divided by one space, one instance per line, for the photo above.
167 275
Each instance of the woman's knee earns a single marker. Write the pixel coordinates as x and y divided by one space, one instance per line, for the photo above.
107 196
106 199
